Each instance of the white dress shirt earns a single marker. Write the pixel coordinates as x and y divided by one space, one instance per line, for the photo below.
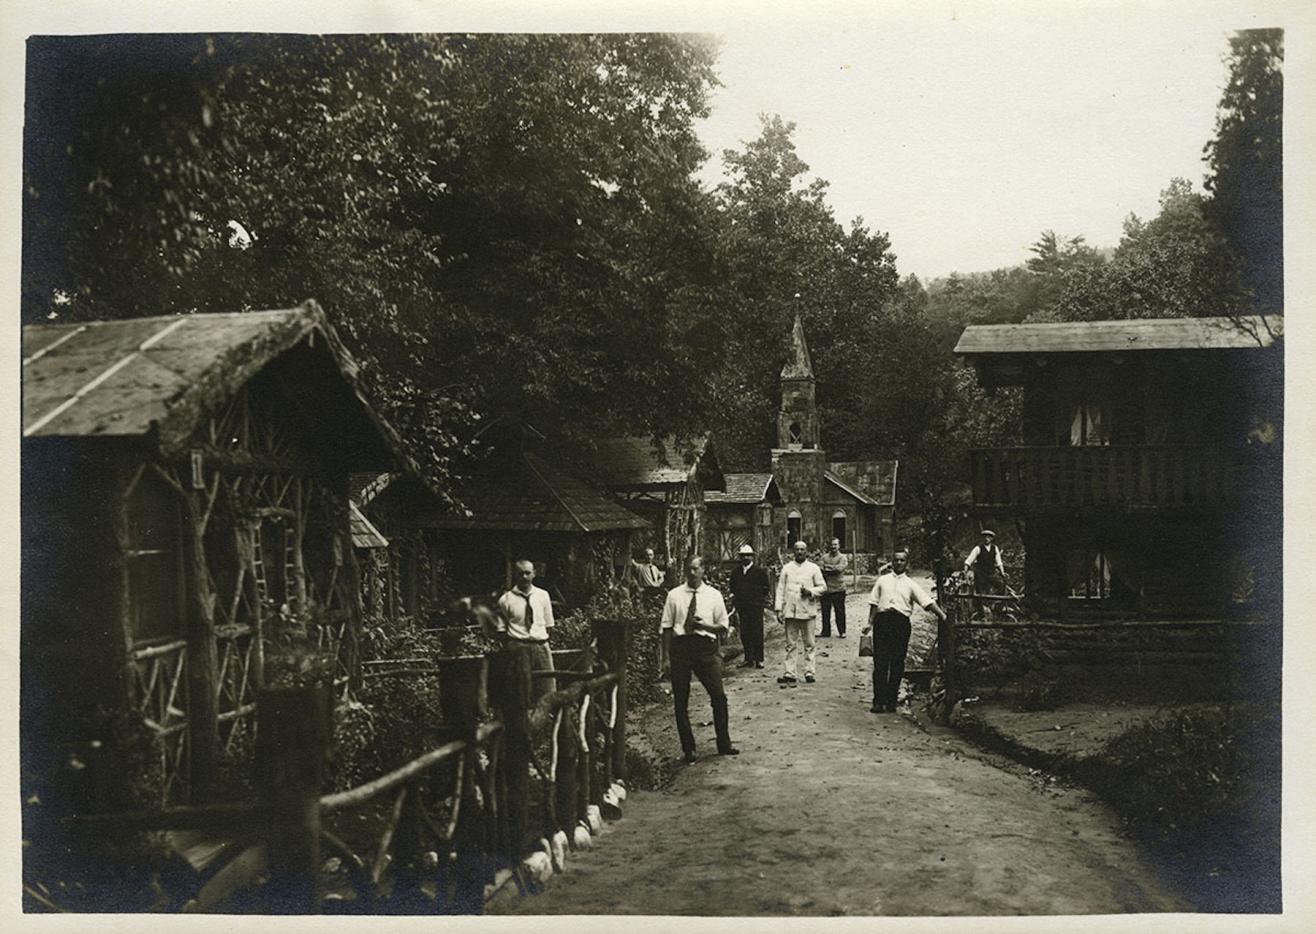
898 592
972 559
710 609
513 604
796 574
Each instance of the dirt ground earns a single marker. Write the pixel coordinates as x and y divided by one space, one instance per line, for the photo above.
833 810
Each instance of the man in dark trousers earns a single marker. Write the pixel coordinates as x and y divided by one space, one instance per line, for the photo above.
693 617
834 565
749 594
890 605
987 566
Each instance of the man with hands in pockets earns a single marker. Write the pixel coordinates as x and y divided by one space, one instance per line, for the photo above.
798 588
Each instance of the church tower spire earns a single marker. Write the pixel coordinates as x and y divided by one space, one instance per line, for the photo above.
797 420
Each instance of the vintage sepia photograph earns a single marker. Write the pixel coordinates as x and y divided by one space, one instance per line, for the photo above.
828 465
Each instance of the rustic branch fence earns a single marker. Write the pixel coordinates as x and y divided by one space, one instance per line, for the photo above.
474 812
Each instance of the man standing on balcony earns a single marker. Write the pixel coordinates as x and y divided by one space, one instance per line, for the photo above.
798 589
988 568
890 606
529 614
833 565
693 618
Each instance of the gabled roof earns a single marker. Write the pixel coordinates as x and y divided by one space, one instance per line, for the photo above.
364 533
798 365
872 482
745 489
528 492
1126 335
636 463
166 374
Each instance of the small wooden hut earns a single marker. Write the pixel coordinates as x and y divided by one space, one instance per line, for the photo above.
663 481
740 515
185 509
524 501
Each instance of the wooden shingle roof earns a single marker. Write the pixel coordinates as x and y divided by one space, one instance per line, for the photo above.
871 481
1124 335
530 493
636 463
364 533
745 489
166 374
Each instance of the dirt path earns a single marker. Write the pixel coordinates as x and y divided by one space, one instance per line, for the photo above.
832 810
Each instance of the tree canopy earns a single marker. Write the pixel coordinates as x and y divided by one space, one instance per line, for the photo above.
498 224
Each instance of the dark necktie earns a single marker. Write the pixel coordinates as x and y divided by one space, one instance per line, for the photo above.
691 613
529 612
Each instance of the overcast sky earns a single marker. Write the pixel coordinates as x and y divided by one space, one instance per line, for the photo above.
965 134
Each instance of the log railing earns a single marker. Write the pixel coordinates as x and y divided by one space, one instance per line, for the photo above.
479 809
1109 476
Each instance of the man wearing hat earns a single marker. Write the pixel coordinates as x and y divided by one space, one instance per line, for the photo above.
988 568
749 595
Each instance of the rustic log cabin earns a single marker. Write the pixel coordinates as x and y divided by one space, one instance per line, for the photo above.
523 502
664 481
740 515
185 511
1147 482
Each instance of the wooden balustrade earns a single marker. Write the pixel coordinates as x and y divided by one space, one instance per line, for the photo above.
456 817
1128 476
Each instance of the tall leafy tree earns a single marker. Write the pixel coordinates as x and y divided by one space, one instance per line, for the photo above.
1175 265
1246 162
782 252
469 208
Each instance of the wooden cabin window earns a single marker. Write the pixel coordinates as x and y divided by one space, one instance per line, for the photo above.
1089 575
838 527
794 527
1089 423
154 562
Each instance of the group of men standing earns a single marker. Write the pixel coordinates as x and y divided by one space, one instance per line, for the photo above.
695 615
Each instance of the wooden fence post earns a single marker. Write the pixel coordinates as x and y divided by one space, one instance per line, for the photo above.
464 701
292 745
614 648
510 692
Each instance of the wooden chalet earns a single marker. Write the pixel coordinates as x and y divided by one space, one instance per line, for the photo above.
185 515
740 515
664 481
524 502
1147 482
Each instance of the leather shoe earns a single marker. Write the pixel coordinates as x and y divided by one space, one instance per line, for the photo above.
786 679
877 708
729 751
810 678
745 665
690 756
758 664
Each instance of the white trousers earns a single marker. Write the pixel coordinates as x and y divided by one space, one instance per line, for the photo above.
799 631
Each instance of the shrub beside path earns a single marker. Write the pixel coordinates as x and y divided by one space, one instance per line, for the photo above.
832 810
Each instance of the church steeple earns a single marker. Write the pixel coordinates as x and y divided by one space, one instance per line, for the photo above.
797 421
798 365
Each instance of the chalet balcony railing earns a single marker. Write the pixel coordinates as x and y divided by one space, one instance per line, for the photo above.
1118 476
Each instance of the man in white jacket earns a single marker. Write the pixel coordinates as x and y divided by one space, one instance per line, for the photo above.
798 590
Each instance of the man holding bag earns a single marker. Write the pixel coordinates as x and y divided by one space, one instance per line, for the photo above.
890 605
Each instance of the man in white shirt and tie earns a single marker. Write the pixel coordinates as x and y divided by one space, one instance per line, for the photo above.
890 605
529 614
693 617
798 588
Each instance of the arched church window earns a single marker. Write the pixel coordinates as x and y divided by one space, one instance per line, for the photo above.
794 527
796 433
838 526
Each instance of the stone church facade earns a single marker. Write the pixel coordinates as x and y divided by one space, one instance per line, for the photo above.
853 501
